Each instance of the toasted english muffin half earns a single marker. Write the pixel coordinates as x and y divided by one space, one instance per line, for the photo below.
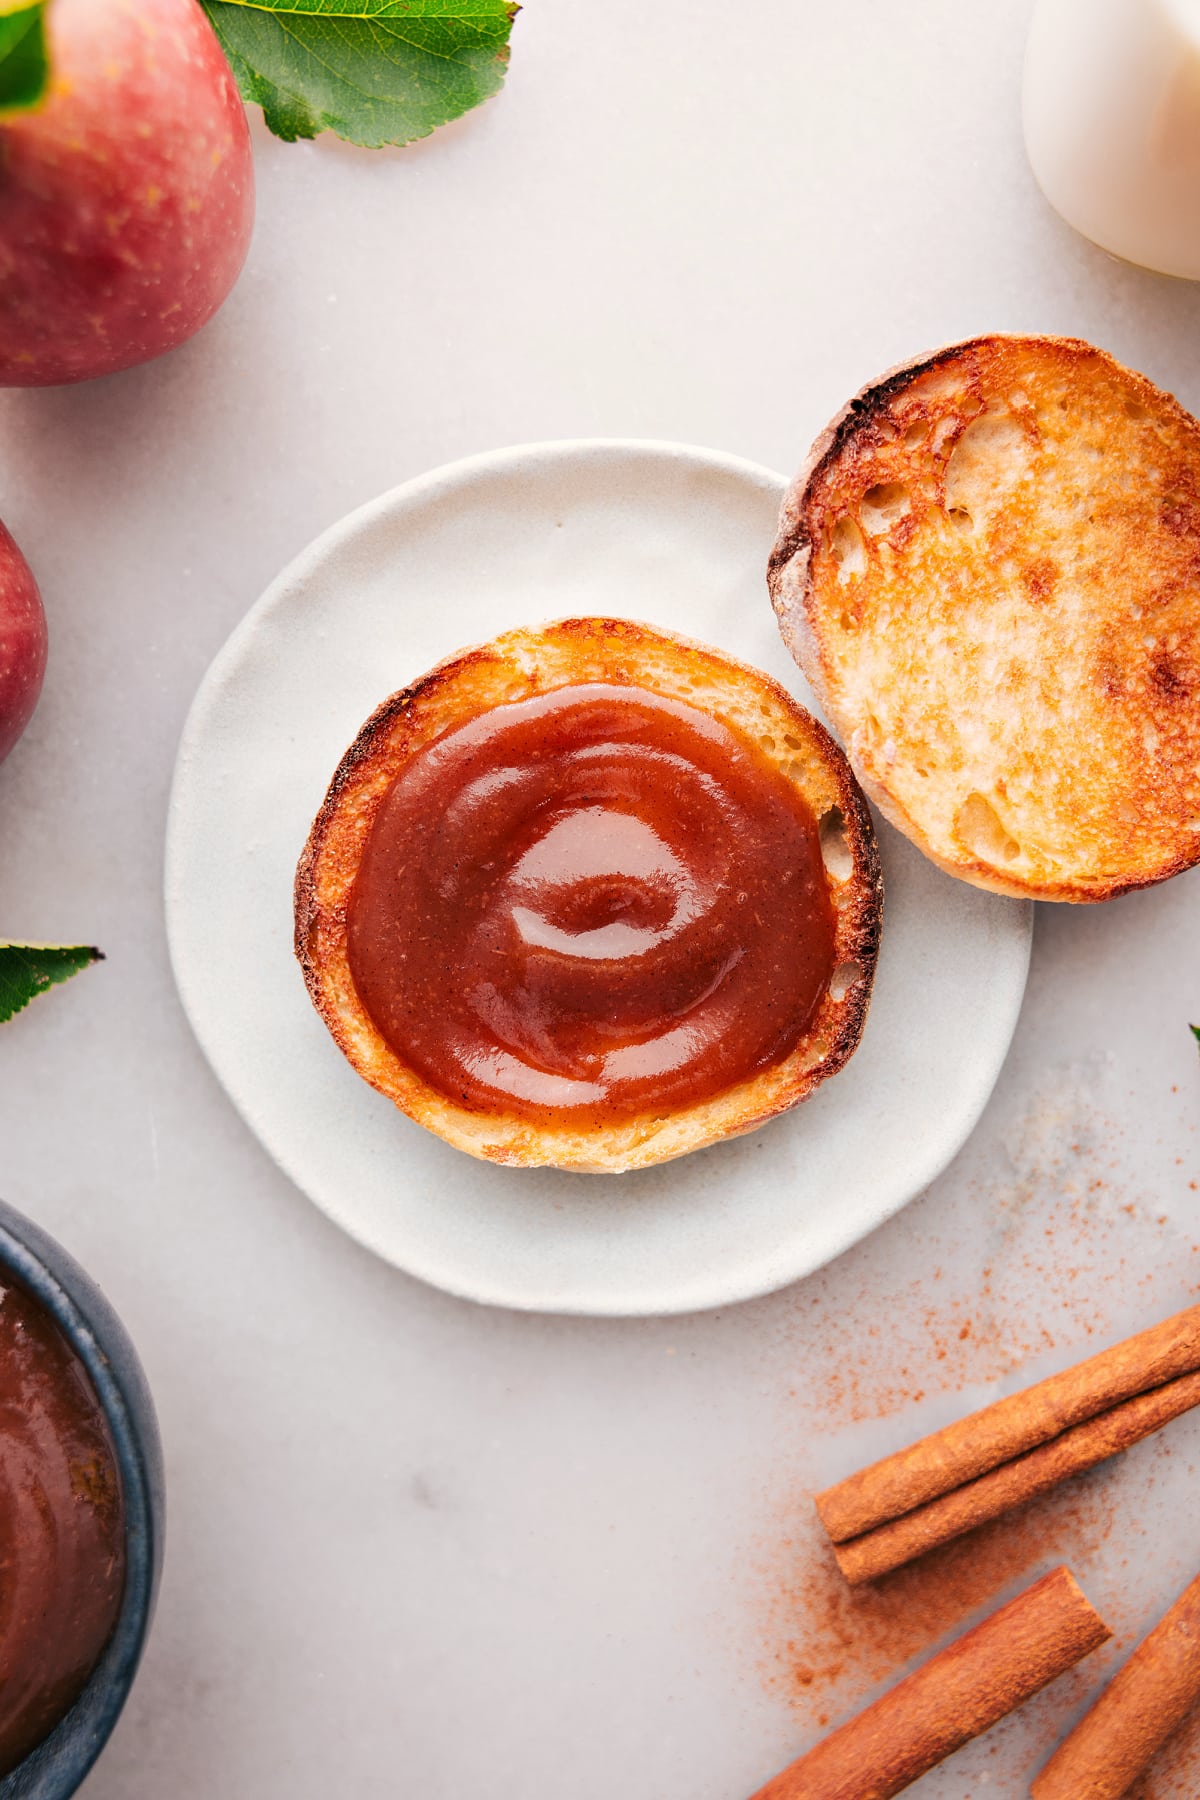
517 667
989 570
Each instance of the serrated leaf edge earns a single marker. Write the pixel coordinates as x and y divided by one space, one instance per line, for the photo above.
93 953
289 115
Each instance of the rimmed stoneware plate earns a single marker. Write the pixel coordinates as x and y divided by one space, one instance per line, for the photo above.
678 537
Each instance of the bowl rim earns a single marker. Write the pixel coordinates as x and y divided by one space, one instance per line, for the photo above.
54 1769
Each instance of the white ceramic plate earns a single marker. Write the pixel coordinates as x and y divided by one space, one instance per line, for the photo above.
675 536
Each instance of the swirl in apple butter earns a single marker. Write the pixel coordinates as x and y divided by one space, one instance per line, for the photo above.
589 905
62 1539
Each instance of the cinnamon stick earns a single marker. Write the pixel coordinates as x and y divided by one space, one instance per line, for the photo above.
1138 1711
955 1696
1011 1428
878 1552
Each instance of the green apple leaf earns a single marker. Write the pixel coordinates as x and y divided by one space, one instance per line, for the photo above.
1195 1031
24 66
373 71
27 970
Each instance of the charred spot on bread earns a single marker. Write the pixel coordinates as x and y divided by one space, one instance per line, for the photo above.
518 667
1013 658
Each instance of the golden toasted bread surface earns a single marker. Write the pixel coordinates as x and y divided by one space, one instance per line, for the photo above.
989 569
521 666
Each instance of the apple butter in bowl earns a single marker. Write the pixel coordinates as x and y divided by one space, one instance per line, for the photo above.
62 1528
81 1515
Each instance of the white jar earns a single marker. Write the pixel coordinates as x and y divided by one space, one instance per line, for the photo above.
1112 124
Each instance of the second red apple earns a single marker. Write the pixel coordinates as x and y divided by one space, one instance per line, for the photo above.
22 643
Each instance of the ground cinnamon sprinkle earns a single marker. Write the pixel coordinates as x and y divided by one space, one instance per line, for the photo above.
845 1641
1068 1251
1062 1245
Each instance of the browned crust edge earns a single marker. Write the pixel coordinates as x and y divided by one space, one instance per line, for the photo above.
360 783
790 585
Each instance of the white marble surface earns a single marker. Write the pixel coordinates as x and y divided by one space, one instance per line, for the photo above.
417 1547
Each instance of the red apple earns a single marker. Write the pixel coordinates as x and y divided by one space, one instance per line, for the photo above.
22 643
126 199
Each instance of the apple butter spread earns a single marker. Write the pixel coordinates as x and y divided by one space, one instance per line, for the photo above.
62 1544
591 904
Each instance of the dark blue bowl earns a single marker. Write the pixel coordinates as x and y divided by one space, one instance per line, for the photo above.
55 1769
